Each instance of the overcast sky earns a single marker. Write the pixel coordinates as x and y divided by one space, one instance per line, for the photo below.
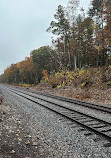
23 25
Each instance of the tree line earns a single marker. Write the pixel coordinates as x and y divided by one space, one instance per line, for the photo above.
79 41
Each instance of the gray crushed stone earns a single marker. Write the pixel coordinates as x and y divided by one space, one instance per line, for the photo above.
56 136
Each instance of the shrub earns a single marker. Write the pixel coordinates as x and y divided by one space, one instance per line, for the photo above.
57 79
25 85
45 76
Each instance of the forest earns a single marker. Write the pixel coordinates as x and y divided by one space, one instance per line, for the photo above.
81 46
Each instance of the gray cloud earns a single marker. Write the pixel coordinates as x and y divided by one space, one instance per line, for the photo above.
23 25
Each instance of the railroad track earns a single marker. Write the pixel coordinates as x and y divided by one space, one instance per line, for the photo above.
102 108
96 125
78 102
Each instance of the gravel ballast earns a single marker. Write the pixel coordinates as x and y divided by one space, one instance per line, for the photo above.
44 134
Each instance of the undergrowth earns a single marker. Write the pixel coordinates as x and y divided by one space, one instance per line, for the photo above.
87 77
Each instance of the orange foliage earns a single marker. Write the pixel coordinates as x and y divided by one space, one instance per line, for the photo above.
46 75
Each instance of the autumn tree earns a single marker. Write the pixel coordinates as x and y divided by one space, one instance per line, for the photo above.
60 27
71 12
29 72
84 41
99 13
43 57
11 74
108 24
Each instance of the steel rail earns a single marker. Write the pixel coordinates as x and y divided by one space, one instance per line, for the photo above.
75 101
78 102
67 113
